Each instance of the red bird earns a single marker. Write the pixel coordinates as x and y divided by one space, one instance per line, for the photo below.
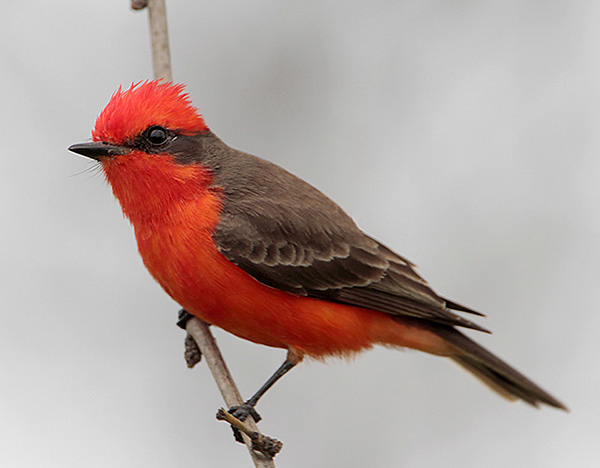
244 245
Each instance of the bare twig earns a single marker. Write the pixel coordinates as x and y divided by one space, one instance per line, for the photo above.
159 36
199 330
208 346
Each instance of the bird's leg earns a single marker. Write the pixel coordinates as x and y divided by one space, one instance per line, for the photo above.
242 411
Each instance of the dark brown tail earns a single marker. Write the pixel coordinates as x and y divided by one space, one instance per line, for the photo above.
494 372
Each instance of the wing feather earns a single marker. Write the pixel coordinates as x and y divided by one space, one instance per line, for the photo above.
288 235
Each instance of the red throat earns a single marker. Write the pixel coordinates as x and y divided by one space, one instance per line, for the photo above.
153 187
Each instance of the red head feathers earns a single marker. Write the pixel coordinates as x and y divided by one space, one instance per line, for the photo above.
145 104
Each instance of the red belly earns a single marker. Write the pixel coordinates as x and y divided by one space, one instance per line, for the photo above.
182 257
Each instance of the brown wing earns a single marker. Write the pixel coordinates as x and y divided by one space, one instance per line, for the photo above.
288 235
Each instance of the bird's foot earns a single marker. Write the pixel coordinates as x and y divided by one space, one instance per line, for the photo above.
242 412
264 444
182 318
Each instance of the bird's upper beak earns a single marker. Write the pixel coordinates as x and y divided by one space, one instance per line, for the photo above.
98 149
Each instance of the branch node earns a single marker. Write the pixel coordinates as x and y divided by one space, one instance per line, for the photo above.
266 445
192 353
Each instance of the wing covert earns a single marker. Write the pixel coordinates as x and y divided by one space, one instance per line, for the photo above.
288 235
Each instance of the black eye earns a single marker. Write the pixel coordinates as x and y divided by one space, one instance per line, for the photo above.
157 135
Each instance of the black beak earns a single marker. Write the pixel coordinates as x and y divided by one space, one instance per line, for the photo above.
98 149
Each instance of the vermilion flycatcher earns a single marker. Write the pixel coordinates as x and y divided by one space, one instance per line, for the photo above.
244 245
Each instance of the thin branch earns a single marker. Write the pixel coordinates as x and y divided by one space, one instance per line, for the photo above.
214 359
199 330
159 37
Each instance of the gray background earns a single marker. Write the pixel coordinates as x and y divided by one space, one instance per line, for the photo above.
463 134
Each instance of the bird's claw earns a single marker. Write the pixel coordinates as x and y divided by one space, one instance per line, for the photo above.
237 435
183 317
243 411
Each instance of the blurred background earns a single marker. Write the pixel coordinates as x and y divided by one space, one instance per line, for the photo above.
462 134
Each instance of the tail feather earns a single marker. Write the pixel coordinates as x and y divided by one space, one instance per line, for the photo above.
494 372
456 306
